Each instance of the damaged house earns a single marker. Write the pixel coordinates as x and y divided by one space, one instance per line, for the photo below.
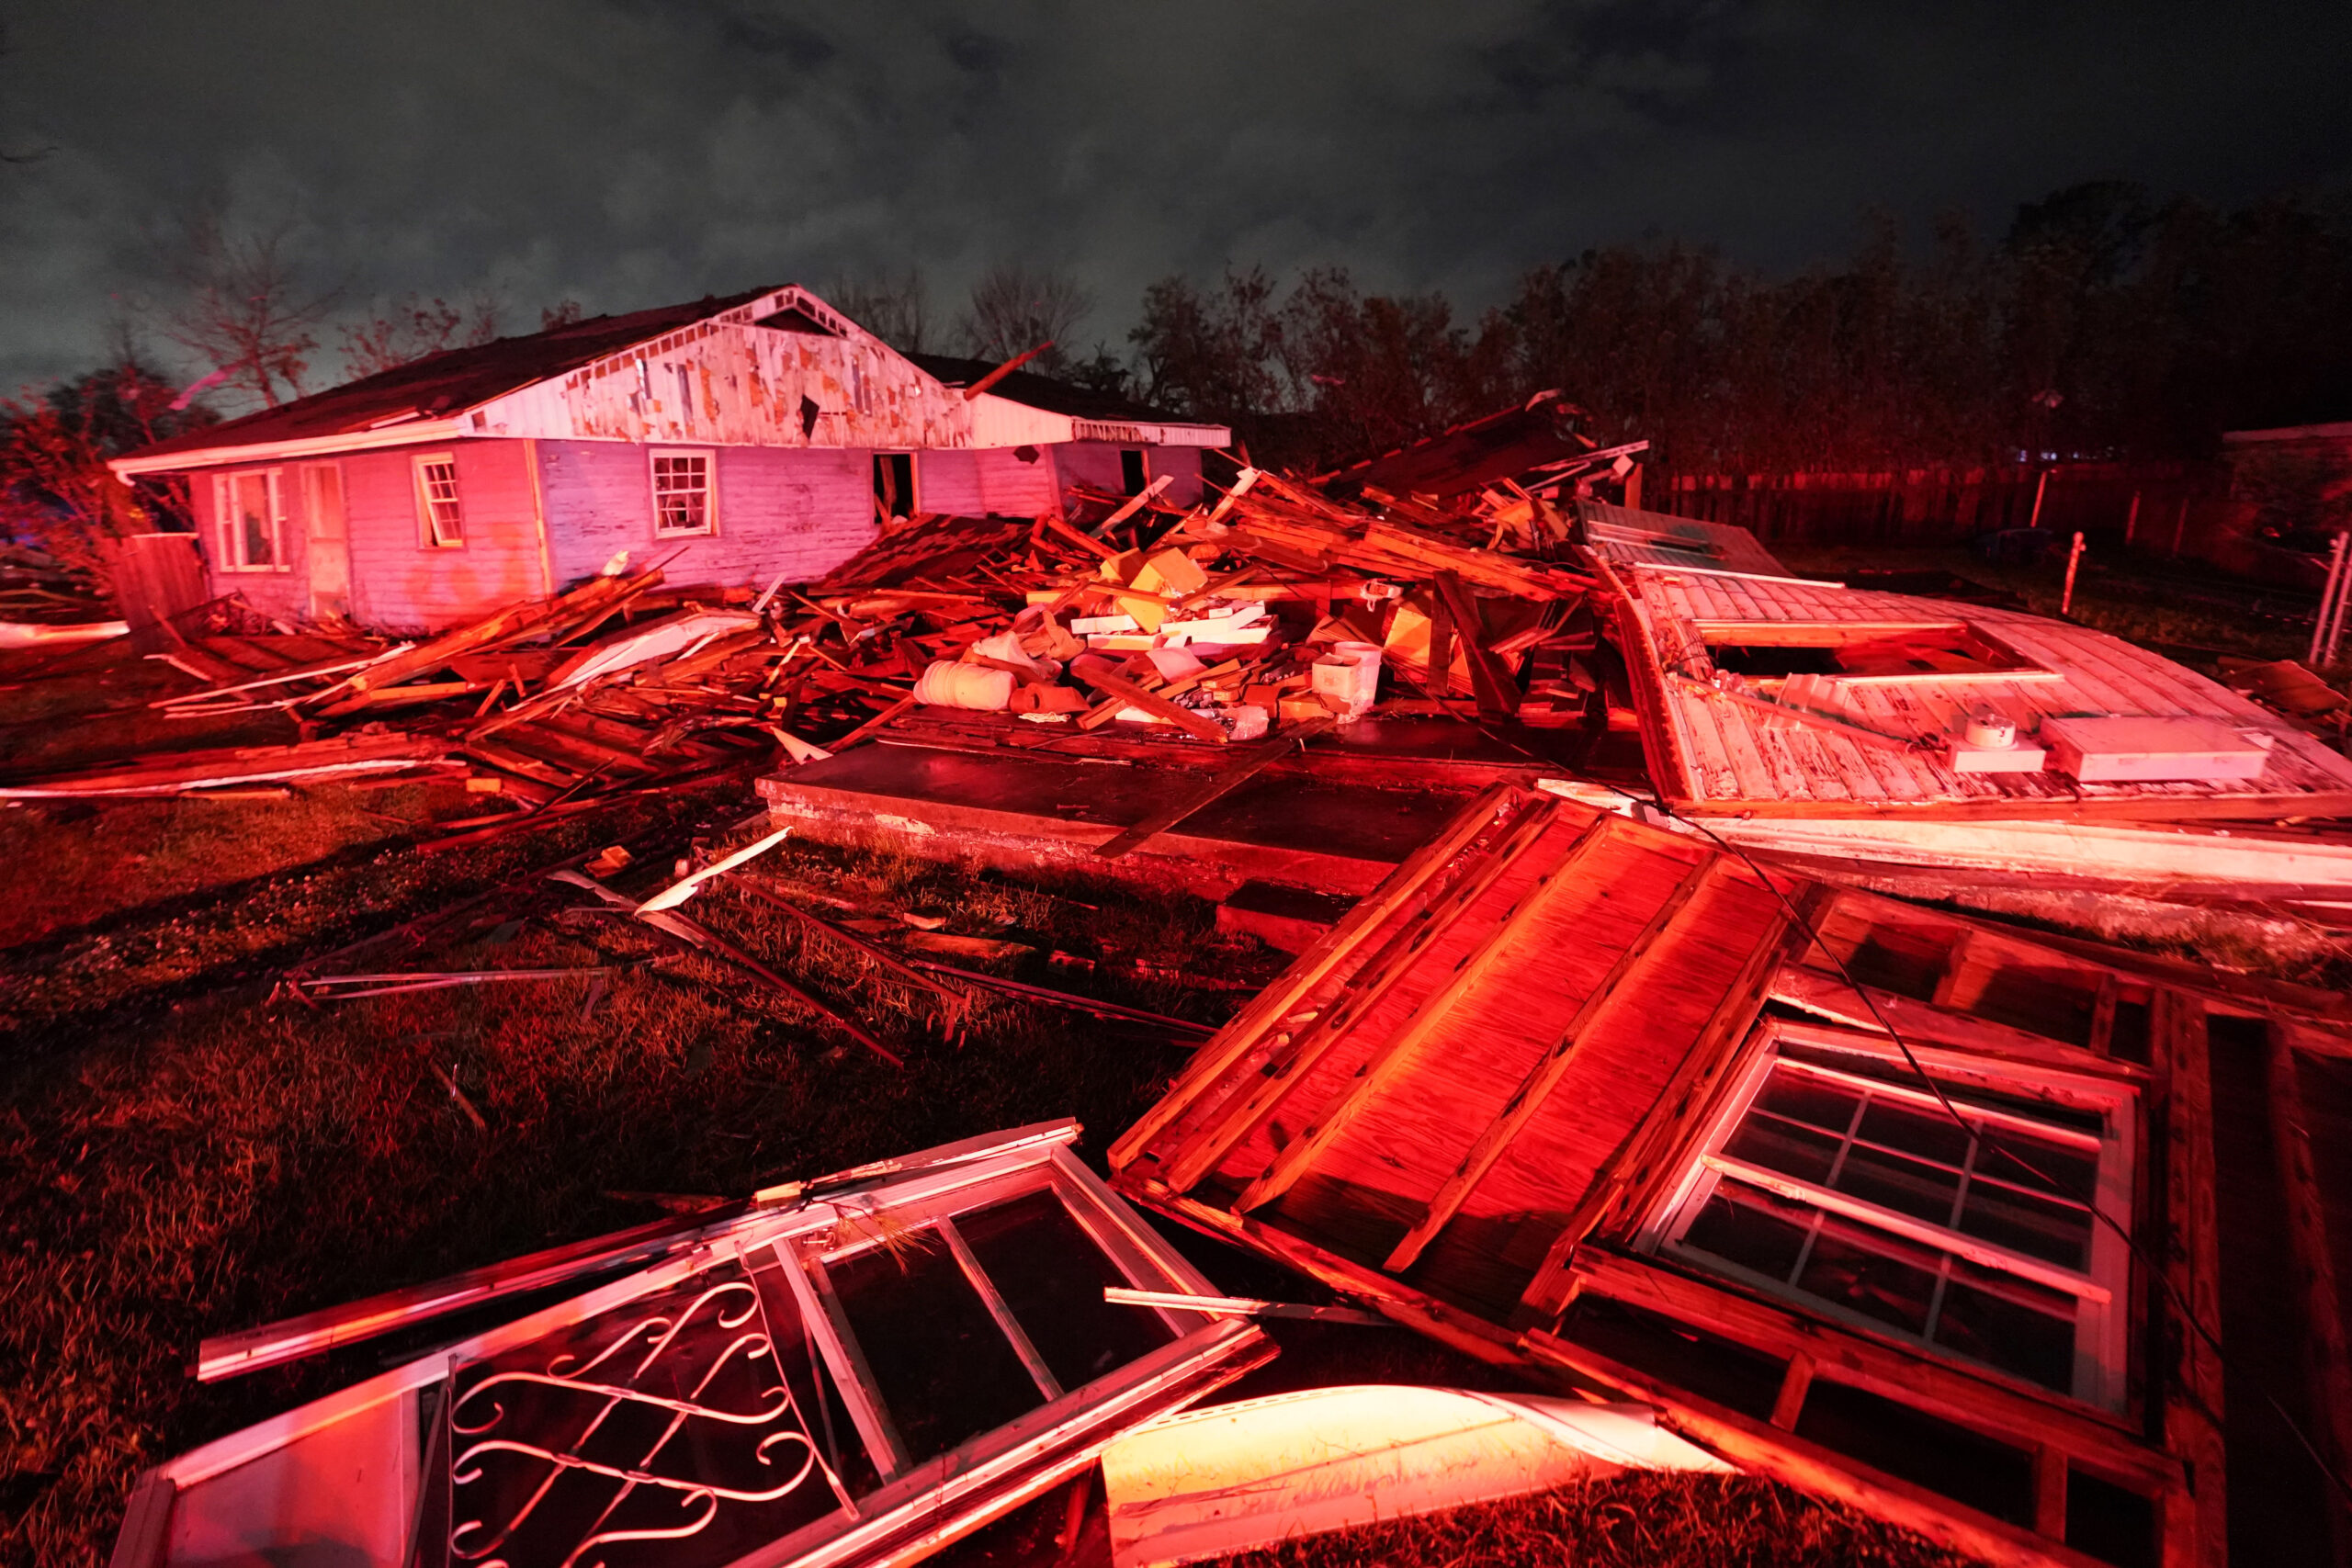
746 438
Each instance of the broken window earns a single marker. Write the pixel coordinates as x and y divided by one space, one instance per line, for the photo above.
441 519
1131 477
1840 1179
894 485
682 494
1772 650
825 1378
249 511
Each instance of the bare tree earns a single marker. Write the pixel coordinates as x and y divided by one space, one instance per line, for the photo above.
409 330
244 306
1015 308
562 313
895 309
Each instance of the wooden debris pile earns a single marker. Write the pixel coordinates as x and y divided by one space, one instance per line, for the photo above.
1276 608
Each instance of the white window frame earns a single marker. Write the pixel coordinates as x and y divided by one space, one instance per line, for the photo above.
428 524
228 531
709 456
2101 1291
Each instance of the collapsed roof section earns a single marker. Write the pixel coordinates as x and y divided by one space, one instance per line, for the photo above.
1914 1213
856 1370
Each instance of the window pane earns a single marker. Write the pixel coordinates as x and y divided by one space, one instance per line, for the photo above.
1805 1097
1051 1276
1752 1229
1871 1273
1801 1152
1929 1133
2021 1222
1898 1182
2010 1323
947 1371
2018 1156
251 498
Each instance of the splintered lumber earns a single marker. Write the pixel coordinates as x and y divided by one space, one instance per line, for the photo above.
1222 783
173 774
529 617
1068 1000
1199 726
758 889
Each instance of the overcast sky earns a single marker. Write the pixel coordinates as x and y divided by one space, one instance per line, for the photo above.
632 152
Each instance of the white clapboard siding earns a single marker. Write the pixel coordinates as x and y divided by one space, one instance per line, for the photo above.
398 582
800 512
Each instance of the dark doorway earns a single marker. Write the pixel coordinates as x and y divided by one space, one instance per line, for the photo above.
1131 474
894 484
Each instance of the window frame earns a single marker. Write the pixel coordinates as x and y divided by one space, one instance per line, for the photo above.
710 456
2102 1289
428 527
1142 455
230 536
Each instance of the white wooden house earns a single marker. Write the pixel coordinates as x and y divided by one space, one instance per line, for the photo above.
753 435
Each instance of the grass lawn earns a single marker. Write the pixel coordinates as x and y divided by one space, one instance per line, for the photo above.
184 1150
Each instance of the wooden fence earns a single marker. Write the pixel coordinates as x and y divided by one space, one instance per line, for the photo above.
2169 508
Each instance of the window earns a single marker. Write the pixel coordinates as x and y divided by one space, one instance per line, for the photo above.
681 494
441 521
894 485
1132 477
1837 1178
249 515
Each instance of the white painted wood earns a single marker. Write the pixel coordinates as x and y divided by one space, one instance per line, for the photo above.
1231 1478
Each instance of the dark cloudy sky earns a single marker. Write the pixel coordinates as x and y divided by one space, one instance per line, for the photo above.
628 152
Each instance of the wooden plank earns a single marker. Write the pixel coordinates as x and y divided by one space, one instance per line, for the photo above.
1222 783
1364 992
1785 1457
1277 1001
1686 1095
1197 725
2190 1388
2049 1491
1497 689
1795 1383
1615 986
1392 1055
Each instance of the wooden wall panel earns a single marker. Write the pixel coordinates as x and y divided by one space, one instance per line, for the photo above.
802 511
399 583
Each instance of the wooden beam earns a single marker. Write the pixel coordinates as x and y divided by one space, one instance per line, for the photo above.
1784 1456
1795 1383
1364 992
1391 1055
2195 1522
1198 725
2315 1272
1614 988
1277 1001
2050 1491
1497 689
1941 1388
1829 995
1218 785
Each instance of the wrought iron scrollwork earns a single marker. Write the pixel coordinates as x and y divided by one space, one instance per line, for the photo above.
611 1381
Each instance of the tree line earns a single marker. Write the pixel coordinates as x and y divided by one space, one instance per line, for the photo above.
2103 322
